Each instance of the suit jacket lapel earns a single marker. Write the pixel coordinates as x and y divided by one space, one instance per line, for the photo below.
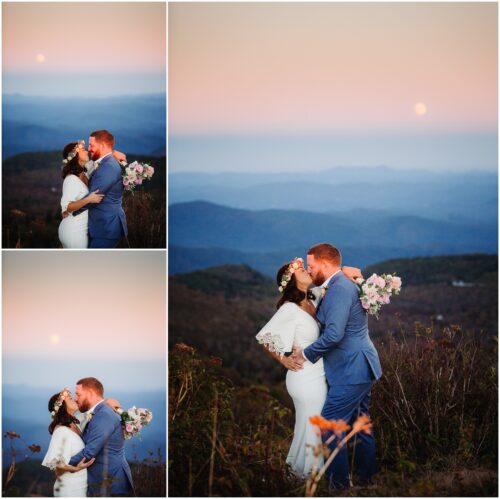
92 414
319 310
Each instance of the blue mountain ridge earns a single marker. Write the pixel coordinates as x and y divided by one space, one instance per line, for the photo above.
43 124
472 196
202 234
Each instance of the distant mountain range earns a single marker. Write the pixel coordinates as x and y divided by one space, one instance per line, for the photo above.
202 234
470 196
44 124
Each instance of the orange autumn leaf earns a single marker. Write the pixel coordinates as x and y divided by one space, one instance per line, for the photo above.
363 423
317 420
338 426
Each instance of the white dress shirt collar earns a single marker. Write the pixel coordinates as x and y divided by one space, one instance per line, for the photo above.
98 161
327 282
92 409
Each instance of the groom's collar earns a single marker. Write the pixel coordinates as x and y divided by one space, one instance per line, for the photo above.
92 409
327 282
99 161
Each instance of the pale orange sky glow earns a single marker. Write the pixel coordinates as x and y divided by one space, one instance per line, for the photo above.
107 305
321 67
82 37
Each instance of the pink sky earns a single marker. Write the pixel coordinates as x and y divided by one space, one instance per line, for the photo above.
76 304
83 37
313 67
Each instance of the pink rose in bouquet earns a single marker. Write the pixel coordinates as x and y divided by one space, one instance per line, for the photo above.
377 291
133 420
137 167
396 283
148 171
135 173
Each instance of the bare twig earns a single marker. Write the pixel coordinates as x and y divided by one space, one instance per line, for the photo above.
214 439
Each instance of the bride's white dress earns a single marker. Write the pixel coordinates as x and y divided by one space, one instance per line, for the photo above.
289 326
64 444
73 230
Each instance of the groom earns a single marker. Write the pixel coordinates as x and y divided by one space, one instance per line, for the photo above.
103 437
350 359
107 223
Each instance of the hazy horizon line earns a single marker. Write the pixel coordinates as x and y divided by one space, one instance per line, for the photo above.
88 96
56 358
25 385
492 169
328 133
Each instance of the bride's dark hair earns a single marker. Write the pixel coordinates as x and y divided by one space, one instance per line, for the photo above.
71 167
62 416
291 292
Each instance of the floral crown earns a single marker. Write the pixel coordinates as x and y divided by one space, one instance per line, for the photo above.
73 152
59 402
295 264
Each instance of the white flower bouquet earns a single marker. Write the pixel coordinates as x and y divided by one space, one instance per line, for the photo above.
133 420
377 291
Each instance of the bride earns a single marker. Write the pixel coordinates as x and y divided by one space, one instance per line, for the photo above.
76 171
294 325
66 441
66 430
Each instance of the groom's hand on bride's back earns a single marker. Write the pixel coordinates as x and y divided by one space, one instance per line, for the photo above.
298 354
292 364
295 361
84 463
73 469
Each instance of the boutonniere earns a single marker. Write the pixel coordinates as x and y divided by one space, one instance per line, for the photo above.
323 291
90 416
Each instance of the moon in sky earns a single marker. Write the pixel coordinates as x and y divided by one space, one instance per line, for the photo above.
55 339
40 58
420 109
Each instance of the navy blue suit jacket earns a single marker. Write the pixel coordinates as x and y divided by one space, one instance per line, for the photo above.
103 437
107 218
349 356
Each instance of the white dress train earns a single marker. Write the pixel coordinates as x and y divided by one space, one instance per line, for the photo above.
73 230
64 444
289 326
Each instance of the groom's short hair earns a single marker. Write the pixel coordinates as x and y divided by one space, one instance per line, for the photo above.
92 384
326 252
104 136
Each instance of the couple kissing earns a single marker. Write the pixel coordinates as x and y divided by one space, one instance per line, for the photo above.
87 450
92 191
320 334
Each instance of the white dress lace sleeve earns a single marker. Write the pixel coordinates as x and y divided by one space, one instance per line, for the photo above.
70 191
279 333
59 451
